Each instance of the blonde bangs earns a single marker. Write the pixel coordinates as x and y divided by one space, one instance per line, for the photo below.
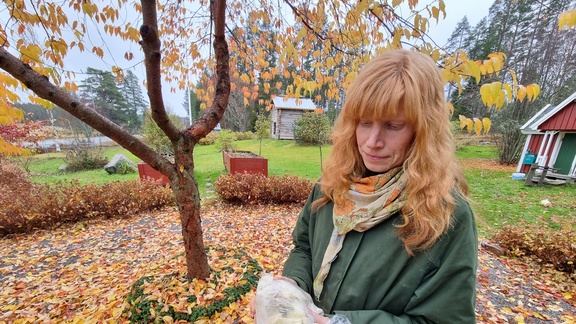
380 91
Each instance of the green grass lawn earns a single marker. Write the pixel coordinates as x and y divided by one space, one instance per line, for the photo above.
497 199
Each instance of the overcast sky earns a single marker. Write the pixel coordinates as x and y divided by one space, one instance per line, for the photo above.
474 10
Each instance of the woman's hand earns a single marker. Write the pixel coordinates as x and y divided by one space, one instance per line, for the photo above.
319 319
290 280
253 301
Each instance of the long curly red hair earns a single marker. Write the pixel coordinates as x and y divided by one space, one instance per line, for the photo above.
409 80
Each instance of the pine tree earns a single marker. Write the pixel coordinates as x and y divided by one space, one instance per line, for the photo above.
136 104
460 37
102 92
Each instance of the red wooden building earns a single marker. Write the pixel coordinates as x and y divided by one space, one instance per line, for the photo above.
551 138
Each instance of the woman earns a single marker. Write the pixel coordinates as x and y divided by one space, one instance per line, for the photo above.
387 235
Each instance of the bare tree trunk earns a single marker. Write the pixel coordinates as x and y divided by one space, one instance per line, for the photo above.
188 201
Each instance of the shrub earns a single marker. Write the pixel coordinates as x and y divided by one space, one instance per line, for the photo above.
17 191
312 129
257 188
209 139
125 168
25 206
262 128
546 245
241 136
84 159
225 140
154 136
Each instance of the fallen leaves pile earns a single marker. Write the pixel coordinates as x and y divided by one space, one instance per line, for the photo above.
83 273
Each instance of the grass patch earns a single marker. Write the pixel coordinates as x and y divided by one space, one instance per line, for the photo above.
477 152
497 200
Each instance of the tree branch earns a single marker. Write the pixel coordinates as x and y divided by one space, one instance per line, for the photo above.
152 59
213 115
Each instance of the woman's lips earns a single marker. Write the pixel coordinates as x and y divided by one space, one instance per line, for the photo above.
374 157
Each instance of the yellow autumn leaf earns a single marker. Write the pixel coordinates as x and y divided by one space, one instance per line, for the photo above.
462 121
435 13
473 70
310 86
521 93
435 55
567 19
98 51
31 52
266 75
477 126
501 99
483 69
301 34
88 8
486 95
469 124
245 78
495 88
533 91
487 124
514 80
351 76
529 92
497 62
450 107
446 75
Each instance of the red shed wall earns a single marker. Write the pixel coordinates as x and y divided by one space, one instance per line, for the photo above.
534 146
564 120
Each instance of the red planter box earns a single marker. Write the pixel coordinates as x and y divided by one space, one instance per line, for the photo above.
245 161
146 171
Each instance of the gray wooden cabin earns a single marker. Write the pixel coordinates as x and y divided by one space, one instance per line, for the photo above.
285 112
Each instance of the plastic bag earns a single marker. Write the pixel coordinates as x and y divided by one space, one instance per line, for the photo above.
281 302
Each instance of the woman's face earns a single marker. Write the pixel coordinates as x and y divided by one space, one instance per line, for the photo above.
384 144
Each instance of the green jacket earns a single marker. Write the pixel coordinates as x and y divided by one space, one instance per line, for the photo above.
374 279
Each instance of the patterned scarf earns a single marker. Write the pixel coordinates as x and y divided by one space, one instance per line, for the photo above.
369 202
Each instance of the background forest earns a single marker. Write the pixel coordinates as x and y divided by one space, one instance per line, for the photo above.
527 32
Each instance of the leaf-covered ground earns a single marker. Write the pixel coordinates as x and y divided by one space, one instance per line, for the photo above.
83 272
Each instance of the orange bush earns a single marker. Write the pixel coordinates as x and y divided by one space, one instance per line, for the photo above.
546 245
25 206
256 188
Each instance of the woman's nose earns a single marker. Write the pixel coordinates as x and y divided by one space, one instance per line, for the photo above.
375 138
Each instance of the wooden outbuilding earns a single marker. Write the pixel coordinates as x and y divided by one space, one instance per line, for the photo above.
551 138
285 111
